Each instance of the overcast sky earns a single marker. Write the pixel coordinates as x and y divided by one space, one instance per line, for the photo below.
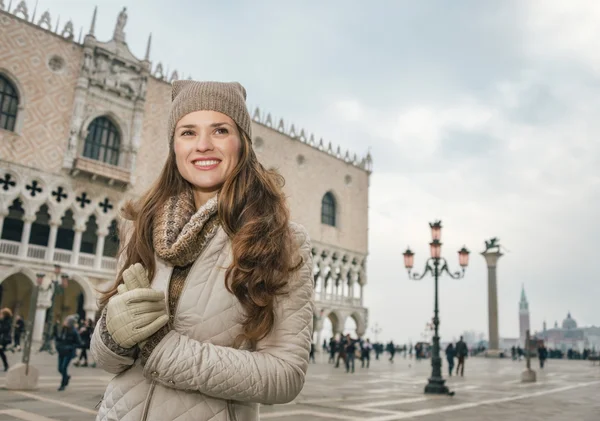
482 114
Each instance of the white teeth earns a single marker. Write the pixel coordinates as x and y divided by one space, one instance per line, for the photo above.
206 163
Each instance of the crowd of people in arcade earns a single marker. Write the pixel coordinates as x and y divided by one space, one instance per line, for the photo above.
65 340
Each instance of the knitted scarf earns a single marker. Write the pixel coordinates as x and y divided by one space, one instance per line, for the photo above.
181 232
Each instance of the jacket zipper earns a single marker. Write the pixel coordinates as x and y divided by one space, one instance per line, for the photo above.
231 411
153 384
148 399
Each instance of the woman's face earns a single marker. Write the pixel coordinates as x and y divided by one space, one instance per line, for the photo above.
207 149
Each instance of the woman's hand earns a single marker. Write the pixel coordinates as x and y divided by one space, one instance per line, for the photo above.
137 312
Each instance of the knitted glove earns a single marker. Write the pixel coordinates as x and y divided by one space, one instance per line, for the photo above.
137 312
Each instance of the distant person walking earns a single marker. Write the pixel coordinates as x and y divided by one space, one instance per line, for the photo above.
520 353
542 355
332 349
67 342
311 355
461 352
341 345
513 353
450 353
392 350
5 336
85 332
18 331
365 354
350 353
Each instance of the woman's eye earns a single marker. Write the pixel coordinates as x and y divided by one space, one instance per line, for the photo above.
221 130
187 133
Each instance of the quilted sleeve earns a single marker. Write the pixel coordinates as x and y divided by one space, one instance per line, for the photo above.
272 374
107 353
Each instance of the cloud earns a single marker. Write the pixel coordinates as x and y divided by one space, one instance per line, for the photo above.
483 114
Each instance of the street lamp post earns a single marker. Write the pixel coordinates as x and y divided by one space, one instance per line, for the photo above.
376 331
57 288
436 265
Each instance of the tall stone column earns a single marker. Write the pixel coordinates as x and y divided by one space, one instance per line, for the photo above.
491 256
28 220
39 323
52 240
101 235
79 229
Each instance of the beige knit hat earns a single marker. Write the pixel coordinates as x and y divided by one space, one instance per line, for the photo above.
227 98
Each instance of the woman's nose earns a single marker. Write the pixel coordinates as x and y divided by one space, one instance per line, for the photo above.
204 142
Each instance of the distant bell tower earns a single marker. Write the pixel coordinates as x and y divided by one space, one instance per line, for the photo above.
523 317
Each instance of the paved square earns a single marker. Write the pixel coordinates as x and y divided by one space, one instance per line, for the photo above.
491 390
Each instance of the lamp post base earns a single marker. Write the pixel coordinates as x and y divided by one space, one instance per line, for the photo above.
436 386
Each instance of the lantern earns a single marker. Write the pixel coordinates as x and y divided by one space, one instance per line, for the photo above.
463 257
409 257
436 230
436 249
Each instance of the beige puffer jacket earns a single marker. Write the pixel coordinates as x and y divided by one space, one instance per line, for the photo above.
194 374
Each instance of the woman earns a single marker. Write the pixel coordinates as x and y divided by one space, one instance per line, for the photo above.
5 336
450 353
85 332
67 341
211 312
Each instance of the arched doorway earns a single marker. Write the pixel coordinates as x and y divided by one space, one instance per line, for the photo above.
15 293
66 301
350 326
16 287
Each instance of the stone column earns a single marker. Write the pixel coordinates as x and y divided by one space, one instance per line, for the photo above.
52 241
361 294
28 220
491 258
77 245
2 216
40 323
101 234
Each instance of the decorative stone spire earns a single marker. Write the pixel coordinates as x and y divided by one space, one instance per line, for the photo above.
21 9
34 11
119 34
93 25
147 56
523 304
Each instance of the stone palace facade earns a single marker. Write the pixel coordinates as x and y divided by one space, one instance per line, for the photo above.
82 129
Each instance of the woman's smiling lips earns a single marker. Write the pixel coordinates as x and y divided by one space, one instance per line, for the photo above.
205 164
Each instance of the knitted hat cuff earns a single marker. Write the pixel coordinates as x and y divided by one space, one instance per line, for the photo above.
227 98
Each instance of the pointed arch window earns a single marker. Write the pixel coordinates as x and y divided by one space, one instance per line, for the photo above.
9 104
328 209
103 141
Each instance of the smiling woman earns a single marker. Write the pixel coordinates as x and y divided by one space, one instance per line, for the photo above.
226 310
207 149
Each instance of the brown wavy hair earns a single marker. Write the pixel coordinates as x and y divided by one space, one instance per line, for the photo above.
253 212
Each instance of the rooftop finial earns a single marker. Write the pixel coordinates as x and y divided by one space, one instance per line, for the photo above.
93 25
34 10
119 34
147 57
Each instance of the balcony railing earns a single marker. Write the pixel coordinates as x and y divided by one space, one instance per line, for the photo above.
337 299
86 260
10 247
38 253
62 256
